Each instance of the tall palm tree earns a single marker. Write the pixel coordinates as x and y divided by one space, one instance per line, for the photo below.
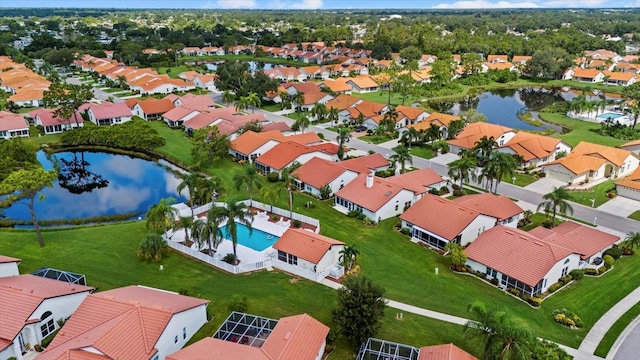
319 111
402 156
433 132
250 178
297 99
184 222
483 147
207 231
461 169
253 100
343 137
333 115
228 97
632 240
242 104
556 201
189 181
303 123
501 338
348 256
271 194
161 215
236 212
505 164
207 189
290 186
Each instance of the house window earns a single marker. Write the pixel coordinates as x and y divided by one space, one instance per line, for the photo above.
566 261
184 333
397 207
48 325
565 271
175 339
288 258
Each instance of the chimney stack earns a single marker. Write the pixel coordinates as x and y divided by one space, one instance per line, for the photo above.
369 180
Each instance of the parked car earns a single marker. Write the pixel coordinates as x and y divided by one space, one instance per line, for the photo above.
360 128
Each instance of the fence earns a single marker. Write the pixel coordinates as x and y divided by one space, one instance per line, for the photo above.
285 213
234 269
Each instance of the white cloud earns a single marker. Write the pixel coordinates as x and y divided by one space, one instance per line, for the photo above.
483 4
573 3
231 4
301 4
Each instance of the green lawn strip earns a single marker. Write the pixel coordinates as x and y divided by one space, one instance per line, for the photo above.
521 180
423 152
174 71
599 193
635 215
272 107
616 330
383 97
375 139
580 130
178 146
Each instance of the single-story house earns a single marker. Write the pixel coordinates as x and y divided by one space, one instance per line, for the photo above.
13 125
439 119
337 86
366 164
629 186
584 75
250 145
425 220
536 150
621 78
9 266
311 98
633 146
307 254
473 132
382 349
532 261
318 173
419 181
151 109
54 125
410 115
362 84
246 336
30 309
133 322
504 210
286 153
107 113
590 162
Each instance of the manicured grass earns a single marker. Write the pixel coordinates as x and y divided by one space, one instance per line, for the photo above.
599 193
375 139
383 98
423 152
272 107
522 179
174 70
635 215
580 130
537 219
616 330
178 146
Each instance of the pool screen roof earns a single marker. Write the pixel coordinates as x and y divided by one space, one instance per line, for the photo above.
246 329
376 349
61 275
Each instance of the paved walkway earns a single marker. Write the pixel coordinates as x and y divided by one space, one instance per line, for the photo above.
597 332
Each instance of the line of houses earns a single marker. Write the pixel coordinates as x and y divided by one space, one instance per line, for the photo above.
25 87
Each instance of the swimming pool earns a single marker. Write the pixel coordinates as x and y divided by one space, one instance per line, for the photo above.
606 116
258 240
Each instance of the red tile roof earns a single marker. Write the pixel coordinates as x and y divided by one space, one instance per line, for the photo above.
280 126
22 294
108 110
370 198
497 206
475 131
10 121
319 172
428 213
365 164
283 154
581 239
47 117
123 323
8 259
305 244
444 352
417 181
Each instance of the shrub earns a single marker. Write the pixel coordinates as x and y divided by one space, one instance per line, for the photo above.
567 318
297 224
321 136
444 190
627 251
405 231
615 252
458 192
565 279
273 177
535 301
513 291
275 217
602 270
353 213
153 247
576 274
229 258
608 261
590 271
553 288
38 347
238 303
434 191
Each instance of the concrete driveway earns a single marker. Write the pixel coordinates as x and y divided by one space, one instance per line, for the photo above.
545 185
444 159
620 206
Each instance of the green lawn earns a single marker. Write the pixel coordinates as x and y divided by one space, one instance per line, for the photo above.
635 215
174 70
617 329
375 139
580 130
383 97
178 147
599 193
521 180
423 152
272 107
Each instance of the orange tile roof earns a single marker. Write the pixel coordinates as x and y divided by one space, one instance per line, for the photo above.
581 239
156 106
532 146
428 213
363 82
620 76
434 118
22 294
342 102
492 58
444 352
521 58
475 131
312 97
631 143
585 73
337 85
216 349
370 108
318 172
27 95
283 154
516 253
371 198
417 181
587 156
308 138
249 141
411 113
305 244
497 206
365 164
632 181
123 323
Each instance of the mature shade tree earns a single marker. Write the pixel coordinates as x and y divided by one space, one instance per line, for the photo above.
360 309
67 99
402 156
501 338
236 212
249 178
160 216
410 53
381 51
15 155
26 184
556 201
209 145
549 63
442 71
153 247
403 85
472 63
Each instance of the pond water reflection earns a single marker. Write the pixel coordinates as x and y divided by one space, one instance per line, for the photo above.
96 184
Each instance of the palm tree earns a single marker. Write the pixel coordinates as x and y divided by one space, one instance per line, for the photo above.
303 123
500 337
433 132
153 247
161 215
409 136
207 189
297 99
207 230
333 115
290 186
250 178
343 137
402 156
632 240
390 118
319 110
189 181
242 104
483 147
461 169
271 194
555 201
228 97
236 212
455 126
348 256
184 222
253 100
505 164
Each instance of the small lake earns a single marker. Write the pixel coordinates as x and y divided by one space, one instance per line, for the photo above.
503 106
96 184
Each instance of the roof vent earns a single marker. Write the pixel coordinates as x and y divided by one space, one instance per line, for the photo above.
537 243
287 336
387 193
508 232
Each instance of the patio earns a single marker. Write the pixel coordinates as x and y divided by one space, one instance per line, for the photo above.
246 329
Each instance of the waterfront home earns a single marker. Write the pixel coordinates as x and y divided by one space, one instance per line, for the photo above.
107 113
536 150
287 153
150 109
13 125
54 125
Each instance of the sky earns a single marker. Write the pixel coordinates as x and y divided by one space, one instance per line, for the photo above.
330 4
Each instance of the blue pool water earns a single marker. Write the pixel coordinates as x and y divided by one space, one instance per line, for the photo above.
258 240
613 116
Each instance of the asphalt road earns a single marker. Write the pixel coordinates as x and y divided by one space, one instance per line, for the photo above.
97 93
630 347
